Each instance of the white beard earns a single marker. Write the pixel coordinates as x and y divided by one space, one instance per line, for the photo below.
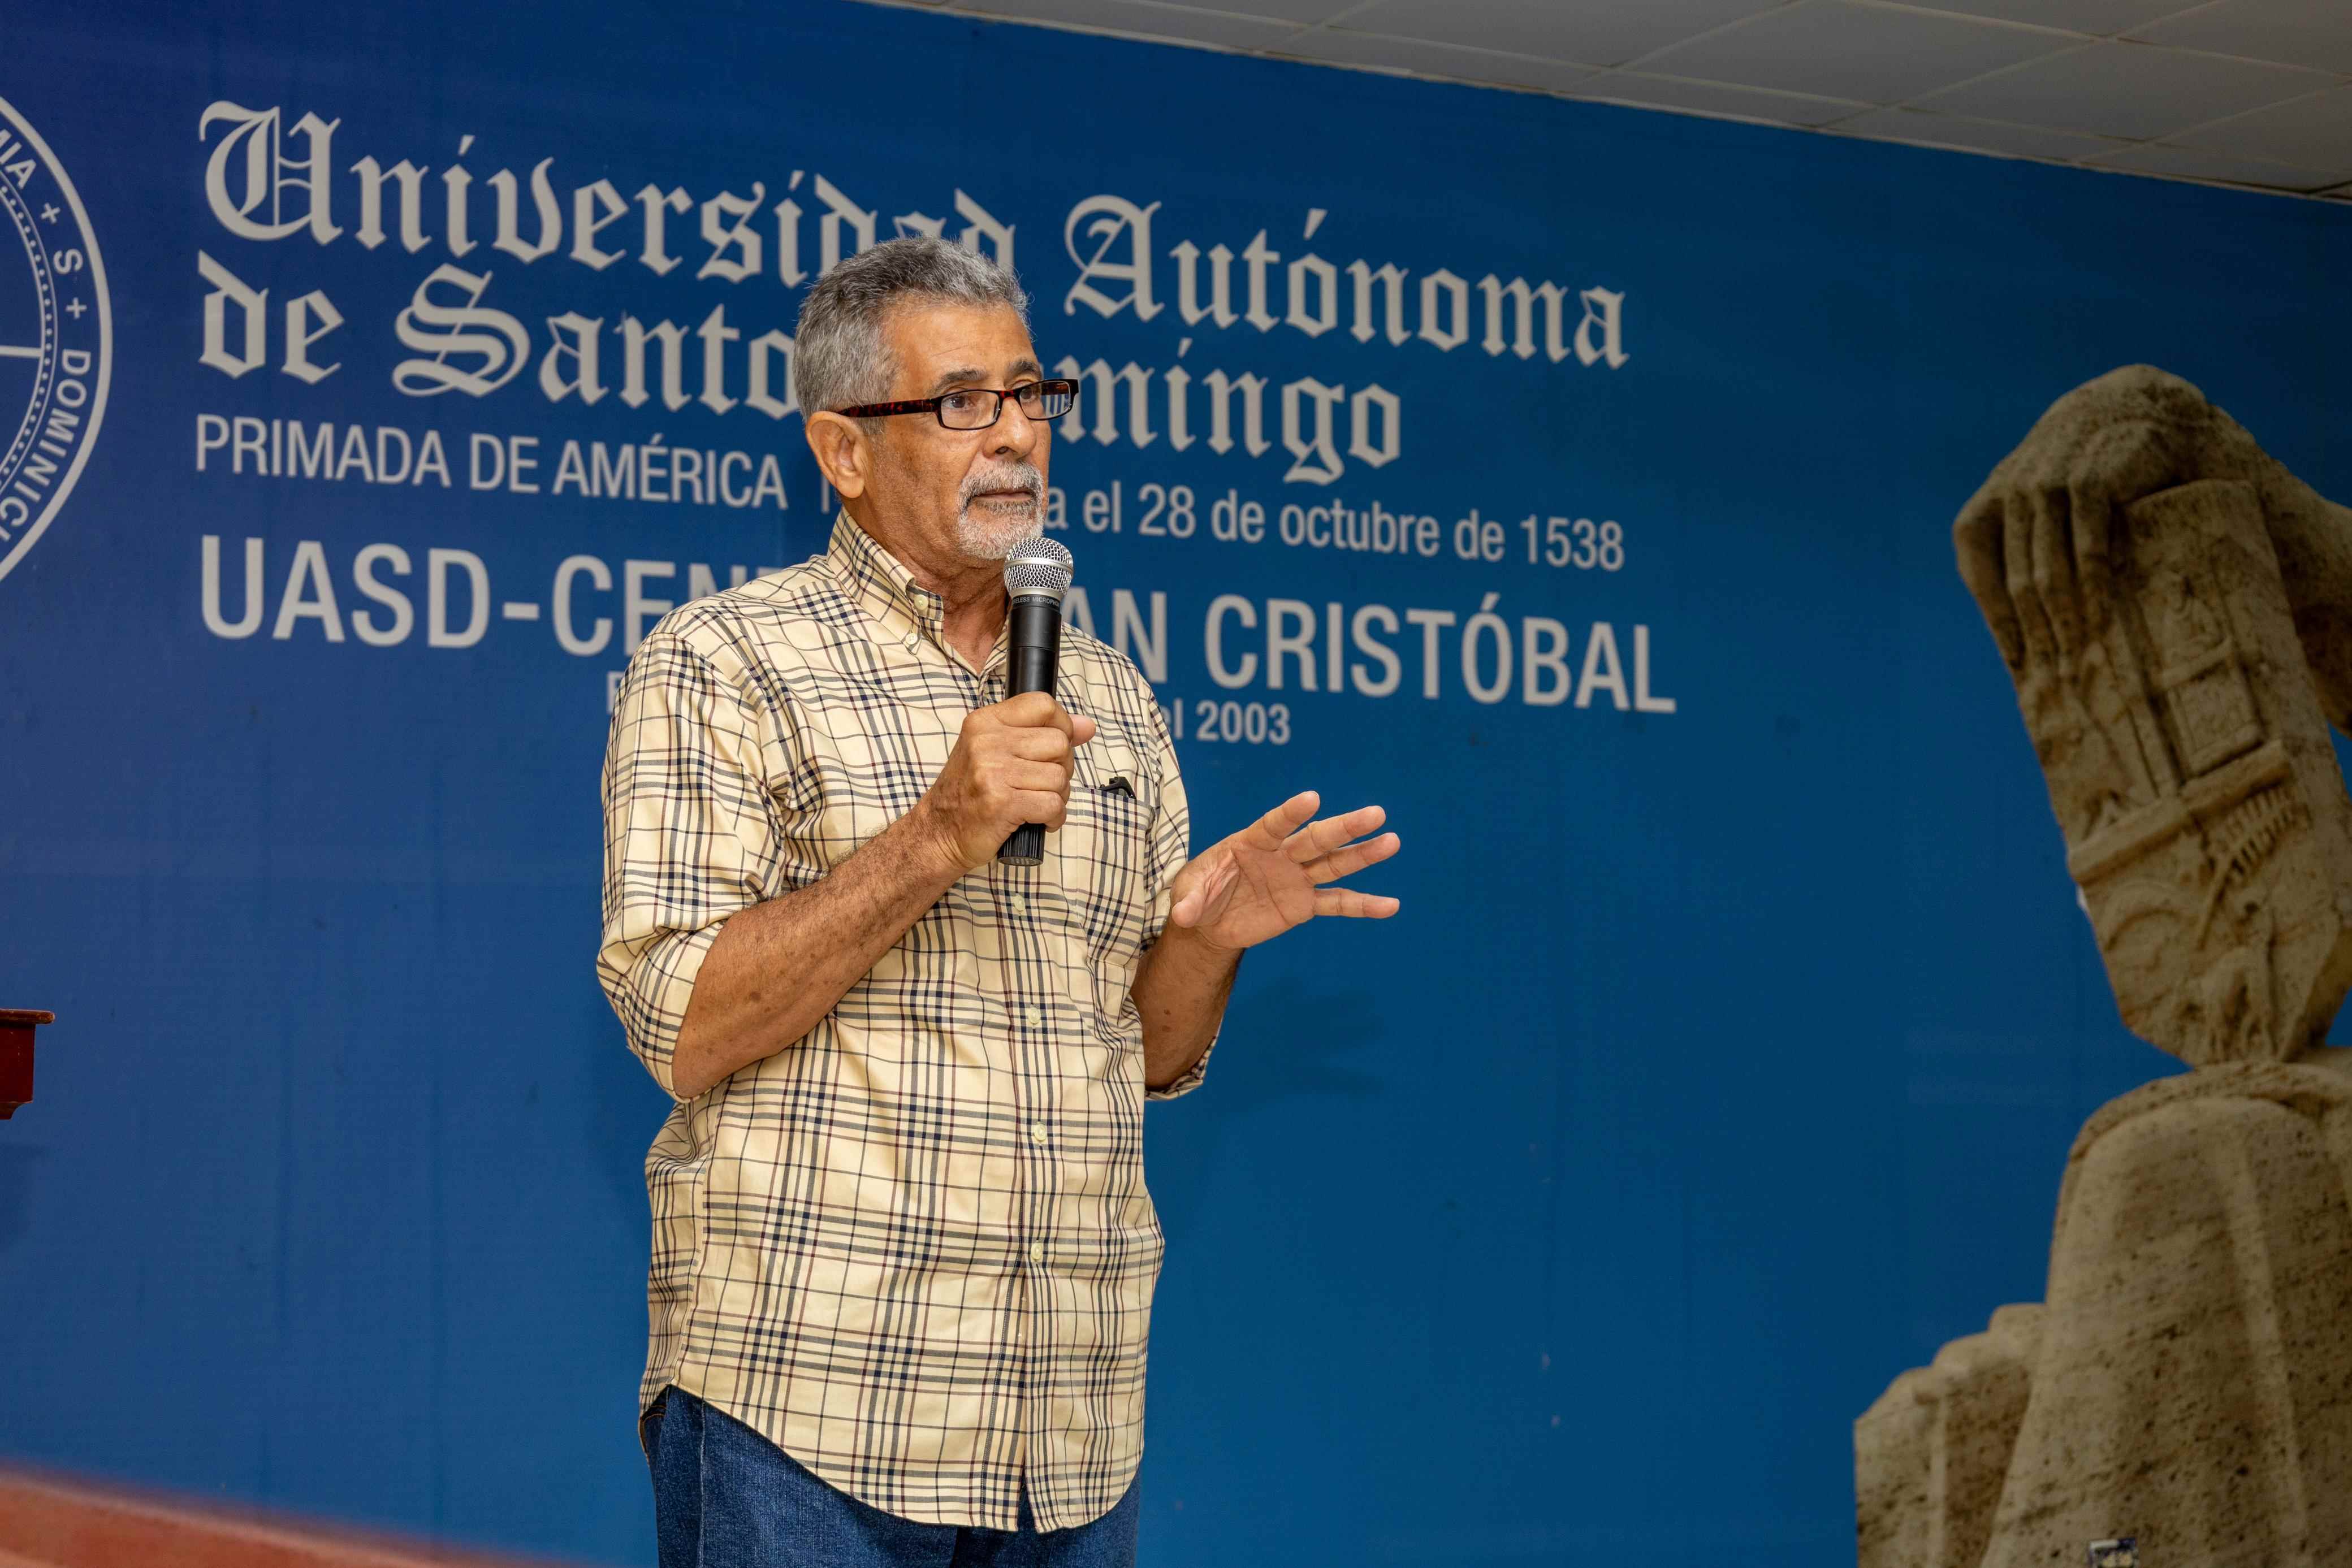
986 531
989 534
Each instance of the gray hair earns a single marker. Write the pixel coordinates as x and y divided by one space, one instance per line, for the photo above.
840 357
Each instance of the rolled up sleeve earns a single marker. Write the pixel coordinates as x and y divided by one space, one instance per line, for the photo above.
691 836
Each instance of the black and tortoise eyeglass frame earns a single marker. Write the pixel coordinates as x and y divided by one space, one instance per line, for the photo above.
977 408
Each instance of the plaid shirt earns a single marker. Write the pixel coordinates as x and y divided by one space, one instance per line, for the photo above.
914 1250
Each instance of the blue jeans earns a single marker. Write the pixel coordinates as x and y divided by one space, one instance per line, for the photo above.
725 1497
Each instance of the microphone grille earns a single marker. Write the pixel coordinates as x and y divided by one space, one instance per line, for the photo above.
1039 566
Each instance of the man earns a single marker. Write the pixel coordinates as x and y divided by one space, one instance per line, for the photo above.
903 1256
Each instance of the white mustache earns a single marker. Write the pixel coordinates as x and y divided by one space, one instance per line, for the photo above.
1010 477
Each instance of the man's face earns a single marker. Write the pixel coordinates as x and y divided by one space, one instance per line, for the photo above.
979 492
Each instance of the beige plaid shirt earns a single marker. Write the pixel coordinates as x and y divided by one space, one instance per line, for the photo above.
914 1250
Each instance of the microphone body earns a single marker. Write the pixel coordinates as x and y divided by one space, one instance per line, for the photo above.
1036 576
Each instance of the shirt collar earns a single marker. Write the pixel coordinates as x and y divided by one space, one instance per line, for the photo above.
878 583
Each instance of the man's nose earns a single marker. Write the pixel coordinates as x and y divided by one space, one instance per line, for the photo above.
1014 434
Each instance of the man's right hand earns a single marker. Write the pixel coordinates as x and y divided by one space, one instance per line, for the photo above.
1009 766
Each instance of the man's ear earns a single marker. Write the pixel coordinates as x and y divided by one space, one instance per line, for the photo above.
842 453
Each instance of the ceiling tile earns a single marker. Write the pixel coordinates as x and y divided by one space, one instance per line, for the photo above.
1835 49
2134 91
2290 32
1140 19
1714 98
2236 92
1337 46
2188 163
1276 10
1595 33
2104 17
1976 135
2313 132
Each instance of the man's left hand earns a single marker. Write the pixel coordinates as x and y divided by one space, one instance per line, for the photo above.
1274 874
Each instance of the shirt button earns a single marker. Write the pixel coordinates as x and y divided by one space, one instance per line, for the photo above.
1017 904
911 642
1036 1252
1037 1133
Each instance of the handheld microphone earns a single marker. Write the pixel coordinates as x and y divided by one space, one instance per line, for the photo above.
1037 574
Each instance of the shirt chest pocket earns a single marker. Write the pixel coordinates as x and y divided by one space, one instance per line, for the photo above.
1104 864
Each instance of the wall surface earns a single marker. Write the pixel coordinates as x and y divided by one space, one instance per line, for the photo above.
1721 1064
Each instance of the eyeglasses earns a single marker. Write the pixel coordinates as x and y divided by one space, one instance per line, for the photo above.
977 408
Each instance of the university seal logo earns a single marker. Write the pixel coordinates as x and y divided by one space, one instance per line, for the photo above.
56 342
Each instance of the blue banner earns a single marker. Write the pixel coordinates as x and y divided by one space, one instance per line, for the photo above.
1574 481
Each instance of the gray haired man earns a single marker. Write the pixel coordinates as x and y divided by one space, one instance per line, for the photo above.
903 1257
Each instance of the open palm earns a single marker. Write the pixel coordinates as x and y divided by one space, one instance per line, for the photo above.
1275 874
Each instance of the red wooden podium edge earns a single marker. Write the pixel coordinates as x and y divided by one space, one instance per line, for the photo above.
17 1027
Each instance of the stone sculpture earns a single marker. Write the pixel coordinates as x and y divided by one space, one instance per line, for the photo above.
2174 608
